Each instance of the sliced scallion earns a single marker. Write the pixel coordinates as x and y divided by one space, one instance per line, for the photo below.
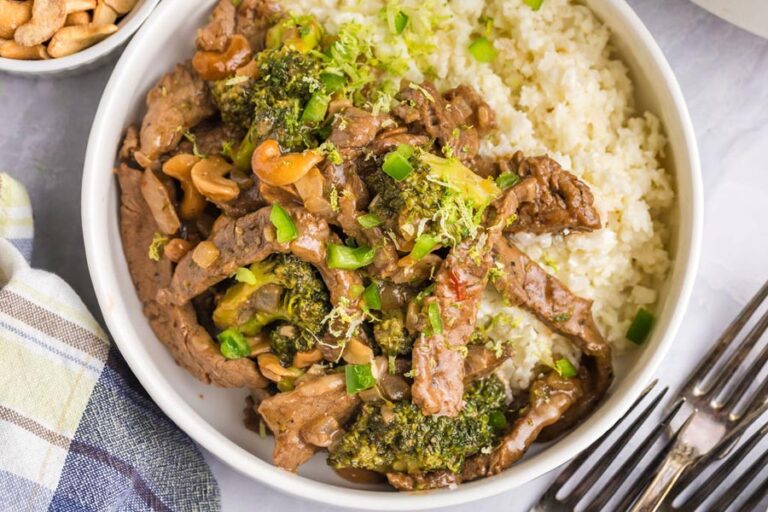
640 327
369 220
565 368
245 275
423 246
481 48
507 179
435 320
286 229
534 4
349 258
332 82
401 20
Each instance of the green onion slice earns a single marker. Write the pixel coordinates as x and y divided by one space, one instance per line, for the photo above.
401 20
640 327
481 48
565 368
359 377
245 275
316 108
286 229
497 420
233 344
506 180
396 162
349 258
369 220
372 296
433 311
332 82
423 246
534 4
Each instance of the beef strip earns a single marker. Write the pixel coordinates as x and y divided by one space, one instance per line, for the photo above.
250 18
527 285
438 363
560 202
176 326
550 396
308 414
457 119
355 128
215 35
178 102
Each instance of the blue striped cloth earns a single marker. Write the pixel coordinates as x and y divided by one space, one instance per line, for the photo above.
77 431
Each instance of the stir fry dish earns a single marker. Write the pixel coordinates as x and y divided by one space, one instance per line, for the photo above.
302 223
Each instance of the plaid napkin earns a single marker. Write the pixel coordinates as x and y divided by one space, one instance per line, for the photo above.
77 431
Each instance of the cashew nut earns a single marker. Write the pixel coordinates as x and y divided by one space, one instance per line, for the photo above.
208 178
218 65
79 5
307 359
121 6
159 201
13 13
357 352
205 254
270 367
13 50
176 249
279 170
180 167
104 14
77 18
72 39
48 16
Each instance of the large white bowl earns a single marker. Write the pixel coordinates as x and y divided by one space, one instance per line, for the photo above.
87 58
212 416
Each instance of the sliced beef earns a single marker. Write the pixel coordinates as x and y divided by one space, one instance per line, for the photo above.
550 397
561 201
523 283
178 102
355 128
250 18
438 362
215 35
176 326
457 119
307 415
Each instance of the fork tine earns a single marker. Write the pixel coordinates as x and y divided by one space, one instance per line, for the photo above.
607 492
738 357
759 399
745 380
741 483
725 339
705 490
576 463
599 467
756 497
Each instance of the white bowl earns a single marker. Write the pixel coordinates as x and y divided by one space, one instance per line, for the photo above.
212 416
84 59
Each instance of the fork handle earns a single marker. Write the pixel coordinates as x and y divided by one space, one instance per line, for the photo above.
679 458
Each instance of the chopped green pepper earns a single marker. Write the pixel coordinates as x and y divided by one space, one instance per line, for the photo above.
396 162
533 4
565 368
423 246
507 179
286 229
401 20
245 275
481 48
316 108
433 311
369 220
372 296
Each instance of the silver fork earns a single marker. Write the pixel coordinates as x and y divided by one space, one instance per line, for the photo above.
549 502
715 403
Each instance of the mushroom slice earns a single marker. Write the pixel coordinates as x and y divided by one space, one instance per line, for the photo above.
48 16
13 13
13 50
72 39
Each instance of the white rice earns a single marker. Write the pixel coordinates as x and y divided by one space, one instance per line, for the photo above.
556 88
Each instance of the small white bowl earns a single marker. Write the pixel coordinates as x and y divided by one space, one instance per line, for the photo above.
87 58
213 416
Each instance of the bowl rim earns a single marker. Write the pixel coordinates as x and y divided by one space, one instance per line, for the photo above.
134 20
95 229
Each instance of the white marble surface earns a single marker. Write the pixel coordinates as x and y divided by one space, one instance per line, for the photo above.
723 72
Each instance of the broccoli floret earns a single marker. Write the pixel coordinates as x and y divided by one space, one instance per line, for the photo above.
408 441
233 98
295 317
391 335
440 197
